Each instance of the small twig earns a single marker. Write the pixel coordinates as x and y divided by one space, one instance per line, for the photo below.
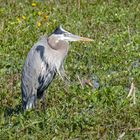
135 129
132 93
131 129
80 81
134 96
78 1
131 90
121 136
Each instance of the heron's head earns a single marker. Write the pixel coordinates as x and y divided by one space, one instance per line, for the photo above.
63 35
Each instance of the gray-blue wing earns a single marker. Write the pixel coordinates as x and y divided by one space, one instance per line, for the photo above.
34 80
44 80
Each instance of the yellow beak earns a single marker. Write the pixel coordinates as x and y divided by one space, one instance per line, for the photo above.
85 39
72 37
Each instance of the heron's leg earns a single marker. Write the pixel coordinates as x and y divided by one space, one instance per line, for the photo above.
35 102
44 105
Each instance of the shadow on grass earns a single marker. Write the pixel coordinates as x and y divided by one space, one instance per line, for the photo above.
11 111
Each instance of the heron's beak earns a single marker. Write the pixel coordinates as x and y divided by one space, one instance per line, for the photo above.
72 37
85 39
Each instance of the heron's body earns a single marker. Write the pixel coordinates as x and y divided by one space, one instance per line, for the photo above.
43 61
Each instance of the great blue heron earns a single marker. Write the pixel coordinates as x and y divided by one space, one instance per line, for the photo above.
44 59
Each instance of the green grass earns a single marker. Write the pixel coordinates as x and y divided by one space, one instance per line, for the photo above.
73 112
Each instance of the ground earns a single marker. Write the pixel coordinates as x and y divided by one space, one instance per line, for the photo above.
94 104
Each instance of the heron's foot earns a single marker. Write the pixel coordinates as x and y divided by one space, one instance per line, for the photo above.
31 103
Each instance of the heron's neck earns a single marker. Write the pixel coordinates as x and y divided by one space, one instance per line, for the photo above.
57 52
